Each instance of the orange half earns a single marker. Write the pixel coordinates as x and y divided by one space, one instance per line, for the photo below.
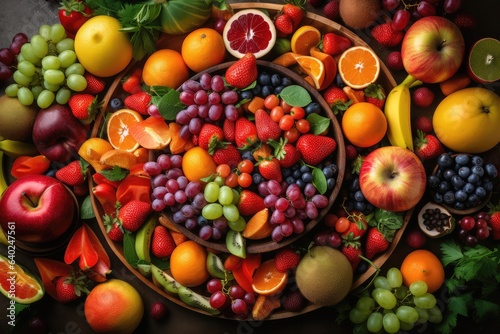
118 129
314 68
358 67
304 38
267 280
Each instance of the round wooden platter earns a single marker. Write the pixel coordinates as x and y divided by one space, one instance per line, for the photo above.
174 42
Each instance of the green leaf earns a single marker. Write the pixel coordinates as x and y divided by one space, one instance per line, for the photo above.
129 249
453 284
169 105
486 309
318 123
448 323
319 180
388 219
86 209
160 263
115 174
296 95
450 252
460 304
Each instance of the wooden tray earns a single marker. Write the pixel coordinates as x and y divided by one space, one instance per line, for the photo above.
174 42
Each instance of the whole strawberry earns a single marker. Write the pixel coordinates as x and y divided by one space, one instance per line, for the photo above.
465 21
334 44
286 153
242 72
315 148
427 146
494 221
245 133
267 129
376 243
336 99
386 35
424 124
132 83
73 174
283 24
250 203
228 130
423 97
133 214
331 9
227 154
270 169
352 251
162 243
286 259
95 85
84 107
295 10
375 94
70 288
138 102
415 238
356 229
210 136
114 228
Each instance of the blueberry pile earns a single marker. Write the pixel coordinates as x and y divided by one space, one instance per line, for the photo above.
461 181
302 175
355 199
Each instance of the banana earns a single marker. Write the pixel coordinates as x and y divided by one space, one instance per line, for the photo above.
14 148
3 177
398 114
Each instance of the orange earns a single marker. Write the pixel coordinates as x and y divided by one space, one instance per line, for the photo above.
267 280
118 129
304 38
142 155
423 265
287 59
91 151
177 143
26 289
364 124
119 158
101 47
258 227
121 304
152 133
330 66
197 164
203 48
165 68
314 68
188 264
358 67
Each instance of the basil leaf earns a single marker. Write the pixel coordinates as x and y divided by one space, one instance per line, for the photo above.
86 209
318 123
319 180
129 249
296 95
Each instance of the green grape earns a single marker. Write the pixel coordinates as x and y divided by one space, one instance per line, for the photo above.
211 192
365 303
405 326
63 95
435 315
51 63
65 44
20 78
26 68
374 323
357 316
385 298
25 96
55 77
231 212
51 87
423 315
67 58
20 58
225 195
382 283
391 323
11 90
212 211
76 68
36 90
219 180
394 277
28 53
401 292
57 33
418 288
236 196
40 46
238 225
76 82
426 301
44 31
45 99
407 314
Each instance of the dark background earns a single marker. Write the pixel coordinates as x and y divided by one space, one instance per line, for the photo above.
26 16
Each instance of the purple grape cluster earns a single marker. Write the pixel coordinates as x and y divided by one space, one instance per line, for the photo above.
233 300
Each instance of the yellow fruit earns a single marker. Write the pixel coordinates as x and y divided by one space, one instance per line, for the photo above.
101 47
165 68
91 151
203 48
197 164
304 38
16 120
188 264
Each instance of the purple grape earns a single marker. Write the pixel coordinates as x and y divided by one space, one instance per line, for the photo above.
249 298
220 223
301 213
164 161
6 56
451 6
203 110
15 47
187 97
205 232
309 190
290 212
218 300
192 111
180 196
217 83
159 180
169 199
215 112
206 81
192 189
190 223
179 218
185 133
281 204
276 234
176 160
216 233
278 217
293 192
236 291
424 8
20 37
5 72
239 307
299 203
182 117
298 225
200 97
262 188
214 98
172 185
287 228
158 204
195 125
274 187
334 240
320 201
229 97
390 5
153 168
231 112
401 19
159 192
182 181
214 285
153 110
174 173
191 85
311 210
270 200
321 238
187 210
199 201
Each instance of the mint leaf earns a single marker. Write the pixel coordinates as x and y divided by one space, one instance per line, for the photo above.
115 174
296 95
129 249
318 123
86 209
319 180
170 104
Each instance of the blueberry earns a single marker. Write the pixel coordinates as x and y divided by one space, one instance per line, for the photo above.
286 81
461 195
457 181
462 159
116 103
327 171
438 198
459 205
491 170
338 81
445 160
464 172
247 155
330 183
276 80
267 90
480 192
334 168
478 170
285 172
246 95
290 179
358 196
362 267
469 188
297 174
304 169
202 221
278 89
257 90
264 79
443 187
473 200
295 167
313 108
473 178
354 185
448 174
360 206
300 183
433 181
257 178
307 177
449 197
477 160
488 186
369 209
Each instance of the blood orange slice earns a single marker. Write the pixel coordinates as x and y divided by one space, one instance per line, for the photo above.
18 284
249 30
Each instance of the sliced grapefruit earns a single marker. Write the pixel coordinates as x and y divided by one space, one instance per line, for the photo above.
18 284
249 30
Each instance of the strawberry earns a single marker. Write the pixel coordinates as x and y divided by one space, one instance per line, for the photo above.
286 259
465 21
427 146
114 229
386 35
295 10
267 129
315 148
352 251
286 153
242 72
376 242
264 151
70 288
424 124
357 228
158 311
415 238
95 85
494 222
283 24
270 169
138 102
394 61
375 94
228 154
73 174
132 84
334 44
210 137
228 129
250 203
162 243
245 133
293 301
331 9
336 99
84 107
423 97
133 214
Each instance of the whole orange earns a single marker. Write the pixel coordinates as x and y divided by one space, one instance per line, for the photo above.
188 264
203 48
423 265
165 67
197 164
364 124
114 306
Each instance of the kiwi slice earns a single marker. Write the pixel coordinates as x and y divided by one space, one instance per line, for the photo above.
164 280
194 299
216 267
484 60
235 243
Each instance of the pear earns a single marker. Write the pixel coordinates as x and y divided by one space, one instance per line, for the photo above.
16 120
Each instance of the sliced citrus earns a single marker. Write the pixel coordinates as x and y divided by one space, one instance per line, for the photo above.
304 38
258 227
314 68
119 158
484 60
118 129
152 133
330 66
287 59
18 284
267 280
92 149
249 30
358 67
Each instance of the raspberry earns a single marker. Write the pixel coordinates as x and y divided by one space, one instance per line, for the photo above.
423 97
293 301
158 311
416 239
395 61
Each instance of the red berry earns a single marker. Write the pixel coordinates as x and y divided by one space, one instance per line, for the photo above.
331 9
351 152
293 301
424 124
415 239
395 61
158 311
423 97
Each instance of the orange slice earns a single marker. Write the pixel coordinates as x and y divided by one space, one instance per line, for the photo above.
91 151
304 38
267 280
258 227
152 133
18 283
287 59
358 67
118 129
119 158
314 68
330 66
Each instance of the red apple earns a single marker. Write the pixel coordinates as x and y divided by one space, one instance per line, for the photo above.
432 49
40 206
392 178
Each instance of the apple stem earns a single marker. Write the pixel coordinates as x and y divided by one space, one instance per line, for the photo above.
28 198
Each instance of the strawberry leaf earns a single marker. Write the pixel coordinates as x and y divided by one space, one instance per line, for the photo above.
296 95
86 210
318 123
